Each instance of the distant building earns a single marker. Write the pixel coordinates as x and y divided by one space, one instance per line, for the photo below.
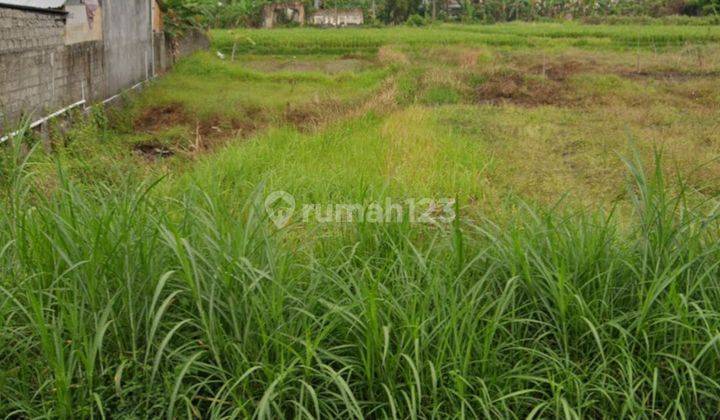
283 13
275 14
337 17
56 53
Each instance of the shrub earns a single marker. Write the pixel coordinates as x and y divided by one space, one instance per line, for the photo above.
416 20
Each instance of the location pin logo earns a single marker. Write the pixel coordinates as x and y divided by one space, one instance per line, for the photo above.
280 207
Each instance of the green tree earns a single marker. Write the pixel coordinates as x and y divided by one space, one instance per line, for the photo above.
702 7
398 11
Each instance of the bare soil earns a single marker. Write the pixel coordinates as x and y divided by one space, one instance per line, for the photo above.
152 151
519 89
157 118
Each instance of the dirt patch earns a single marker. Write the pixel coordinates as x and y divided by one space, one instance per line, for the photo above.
538 81
216 131
202 134
157 118
553 66
516 88
668 75
559 71
152 151
245 127
301 117
629 65
214 127
533 80
390 55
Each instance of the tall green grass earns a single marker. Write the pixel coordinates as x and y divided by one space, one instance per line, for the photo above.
178 298
125 302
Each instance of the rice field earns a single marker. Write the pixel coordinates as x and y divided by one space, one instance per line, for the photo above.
144 274
517 35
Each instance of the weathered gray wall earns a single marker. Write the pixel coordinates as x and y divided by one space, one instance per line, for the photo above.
189 43
39 74
168 51
128 47
337 17
163 53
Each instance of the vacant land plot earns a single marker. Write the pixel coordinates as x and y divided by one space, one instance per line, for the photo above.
141 274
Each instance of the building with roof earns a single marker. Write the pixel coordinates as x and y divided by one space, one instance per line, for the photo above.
35 4
58 53
274 14
337 17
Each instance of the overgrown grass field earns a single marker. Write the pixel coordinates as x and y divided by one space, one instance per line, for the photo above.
141 275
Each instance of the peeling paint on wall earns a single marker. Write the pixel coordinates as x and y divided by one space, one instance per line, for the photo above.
84 21
91 7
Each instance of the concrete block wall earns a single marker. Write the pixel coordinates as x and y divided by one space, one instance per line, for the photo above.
81 73
190 42
39 74
169 50
23 31
127 34
30 45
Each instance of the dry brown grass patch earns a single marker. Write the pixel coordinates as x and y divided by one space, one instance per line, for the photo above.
391 55
516 88
159 117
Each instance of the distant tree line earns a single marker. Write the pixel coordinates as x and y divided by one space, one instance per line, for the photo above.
234 13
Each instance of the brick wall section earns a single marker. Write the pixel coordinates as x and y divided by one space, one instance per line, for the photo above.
28 44
38 73
22 30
